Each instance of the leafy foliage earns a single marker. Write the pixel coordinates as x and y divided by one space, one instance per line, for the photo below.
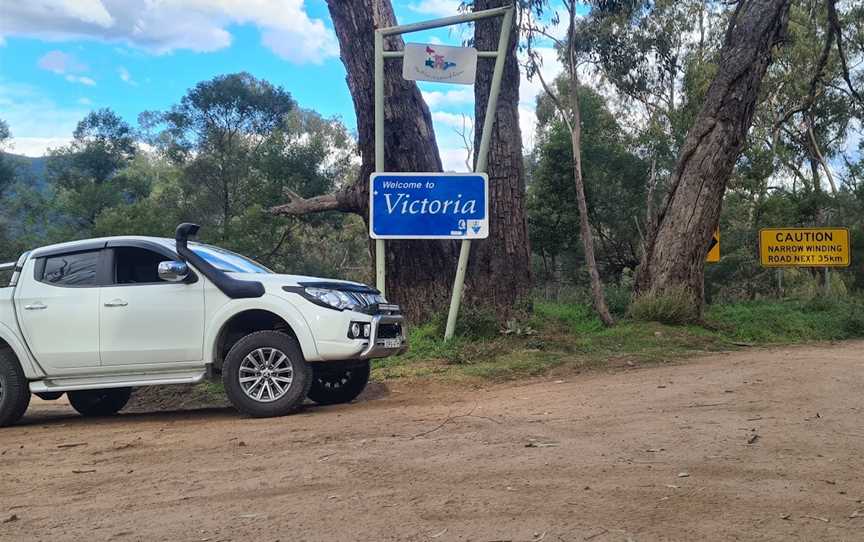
222 157
615 180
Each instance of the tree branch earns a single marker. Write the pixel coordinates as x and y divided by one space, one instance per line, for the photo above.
834 24
298 205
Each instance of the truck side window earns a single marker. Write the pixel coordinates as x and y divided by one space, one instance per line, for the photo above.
77 269
137 266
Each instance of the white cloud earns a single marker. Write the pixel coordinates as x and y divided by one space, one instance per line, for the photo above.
167 25
435 99
35 120
59 62
89 11
451 119
37 146
453 158
438 8
67 65
126 77
528 126
2 41
85 101
530 89
80 79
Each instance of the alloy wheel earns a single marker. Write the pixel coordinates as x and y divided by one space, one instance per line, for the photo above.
266 374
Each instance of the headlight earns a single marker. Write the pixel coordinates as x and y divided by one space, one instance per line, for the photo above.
334 298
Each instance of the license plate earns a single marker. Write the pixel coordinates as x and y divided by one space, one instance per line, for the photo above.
392 343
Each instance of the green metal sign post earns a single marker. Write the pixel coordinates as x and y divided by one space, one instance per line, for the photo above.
481 164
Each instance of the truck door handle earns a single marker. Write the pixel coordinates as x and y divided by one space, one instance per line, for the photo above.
116 303
36 307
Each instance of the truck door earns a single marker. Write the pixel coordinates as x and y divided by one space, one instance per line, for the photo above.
58 307
146 320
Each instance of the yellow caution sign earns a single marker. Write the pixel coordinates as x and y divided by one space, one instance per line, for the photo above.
804 247
714 251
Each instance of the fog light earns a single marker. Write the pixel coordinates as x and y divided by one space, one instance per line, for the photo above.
355 330
367 329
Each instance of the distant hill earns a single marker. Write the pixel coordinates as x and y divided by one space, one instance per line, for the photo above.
31 171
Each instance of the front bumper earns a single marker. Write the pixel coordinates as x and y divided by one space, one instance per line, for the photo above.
383 341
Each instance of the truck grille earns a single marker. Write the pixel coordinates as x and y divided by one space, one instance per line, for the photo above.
389 331
365 299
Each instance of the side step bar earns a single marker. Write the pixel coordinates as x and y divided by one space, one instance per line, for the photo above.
116 381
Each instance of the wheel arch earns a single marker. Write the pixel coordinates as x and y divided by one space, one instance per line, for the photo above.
233 325
8 340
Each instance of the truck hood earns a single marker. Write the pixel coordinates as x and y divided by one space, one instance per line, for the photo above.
279 280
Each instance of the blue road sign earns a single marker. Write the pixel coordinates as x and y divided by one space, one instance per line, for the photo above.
429 206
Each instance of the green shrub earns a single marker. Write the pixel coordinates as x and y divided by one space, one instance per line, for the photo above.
855 321
618 298
674 307
821 304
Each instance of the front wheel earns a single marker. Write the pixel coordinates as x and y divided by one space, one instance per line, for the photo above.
94 403
265 374
336 383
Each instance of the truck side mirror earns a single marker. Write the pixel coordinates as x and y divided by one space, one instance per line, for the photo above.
173 271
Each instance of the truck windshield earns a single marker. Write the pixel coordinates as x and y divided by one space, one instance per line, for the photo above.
227 261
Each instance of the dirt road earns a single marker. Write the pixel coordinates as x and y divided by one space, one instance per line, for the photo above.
752 445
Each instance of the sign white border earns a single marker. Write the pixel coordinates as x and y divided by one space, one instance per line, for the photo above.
484 232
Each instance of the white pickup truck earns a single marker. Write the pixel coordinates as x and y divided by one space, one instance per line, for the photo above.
96 318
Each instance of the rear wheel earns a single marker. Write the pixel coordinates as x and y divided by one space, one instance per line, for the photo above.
265 374
14 390
335 383
105 402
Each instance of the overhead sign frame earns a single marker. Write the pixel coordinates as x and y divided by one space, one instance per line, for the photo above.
412 204
481 163
808 247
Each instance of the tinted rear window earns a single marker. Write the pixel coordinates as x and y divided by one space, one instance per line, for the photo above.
71 269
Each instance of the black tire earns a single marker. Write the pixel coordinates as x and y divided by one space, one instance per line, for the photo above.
254 350
336 383
14 389
95 403
49 395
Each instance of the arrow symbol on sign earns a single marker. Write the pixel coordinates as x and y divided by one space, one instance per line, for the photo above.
476 228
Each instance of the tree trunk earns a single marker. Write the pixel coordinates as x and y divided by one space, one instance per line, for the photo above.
499 275
675 259
419 273
598 296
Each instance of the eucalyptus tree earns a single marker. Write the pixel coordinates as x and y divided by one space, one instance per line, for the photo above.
674 258
615 185
568 109
86 175
219 133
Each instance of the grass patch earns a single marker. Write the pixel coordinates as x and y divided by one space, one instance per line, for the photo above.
673 307
790 321
569 337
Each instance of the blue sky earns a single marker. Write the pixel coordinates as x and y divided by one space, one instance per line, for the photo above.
61 58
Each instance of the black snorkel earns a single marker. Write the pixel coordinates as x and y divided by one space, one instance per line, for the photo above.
233 288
